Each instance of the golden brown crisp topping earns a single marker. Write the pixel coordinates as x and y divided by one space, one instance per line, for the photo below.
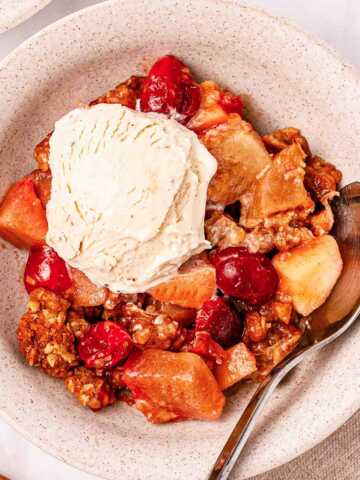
154 414
280 341
289 237
115 303
321 178
184 316
222 231
45 339
263 239
280 139
77 323
257 323
114 300
41 153
114 377
121 94
256 327
91 391
151 329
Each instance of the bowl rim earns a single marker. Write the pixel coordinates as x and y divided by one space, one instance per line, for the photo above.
23 14
348 69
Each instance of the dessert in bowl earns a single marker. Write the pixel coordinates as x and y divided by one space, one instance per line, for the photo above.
75 61
173 250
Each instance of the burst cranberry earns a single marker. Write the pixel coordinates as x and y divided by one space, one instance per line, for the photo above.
205 346
231 103
170 89
45 269
250 277
217 318
104 345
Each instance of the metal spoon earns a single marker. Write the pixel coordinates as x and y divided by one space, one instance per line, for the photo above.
325 325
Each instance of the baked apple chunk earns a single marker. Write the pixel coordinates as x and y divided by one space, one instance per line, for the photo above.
309 272
22 216
173 386
239 364
180 290
241 157
279 189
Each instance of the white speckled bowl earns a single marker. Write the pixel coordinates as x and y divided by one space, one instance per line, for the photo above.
287 79
14 12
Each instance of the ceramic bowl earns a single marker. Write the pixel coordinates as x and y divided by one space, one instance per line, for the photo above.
287 79
14 12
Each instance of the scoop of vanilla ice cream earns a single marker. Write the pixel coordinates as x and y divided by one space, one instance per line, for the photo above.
128 195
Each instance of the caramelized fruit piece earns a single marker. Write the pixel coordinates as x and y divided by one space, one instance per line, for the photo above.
258 323
247 276
45 269
185 316
323 221
104 345
211 112
201 343
85 293
231 103
280 139
170 89
191 287
239 363
42 184
309 272
41 153
217 318
279 189
22 216
215 106
179 383
256 327
281 340
241 157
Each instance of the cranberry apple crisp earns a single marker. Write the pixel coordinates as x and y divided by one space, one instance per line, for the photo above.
264 260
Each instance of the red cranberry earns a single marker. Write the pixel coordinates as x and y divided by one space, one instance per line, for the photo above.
170 89
104 345
217 318
45 269
247 276
231 103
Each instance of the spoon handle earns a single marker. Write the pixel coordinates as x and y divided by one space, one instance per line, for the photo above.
242 430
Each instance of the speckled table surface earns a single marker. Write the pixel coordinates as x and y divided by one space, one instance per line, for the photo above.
338 457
